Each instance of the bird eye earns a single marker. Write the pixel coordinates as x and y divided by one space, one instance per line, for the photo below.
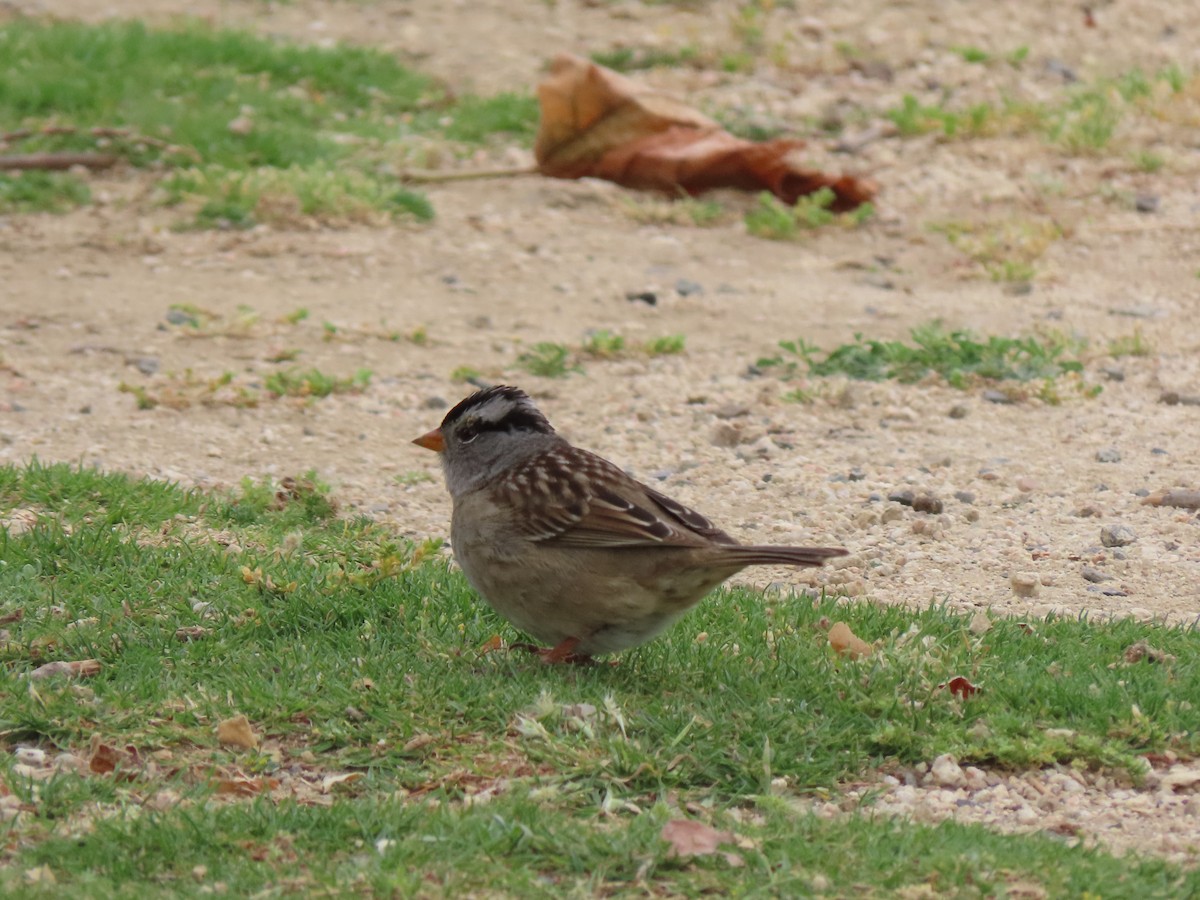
467 433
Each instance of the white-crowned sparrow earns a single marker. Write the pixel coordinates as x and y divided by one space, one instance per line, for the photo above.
568 547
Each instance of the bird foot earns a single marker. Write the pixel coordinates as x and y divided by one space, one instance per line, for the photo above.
560 653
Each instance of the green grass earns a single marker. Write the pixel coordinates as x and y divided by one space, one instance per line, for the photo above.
315 383
1083 120
771 218
352 650
244 117
549 360
957 356
35 191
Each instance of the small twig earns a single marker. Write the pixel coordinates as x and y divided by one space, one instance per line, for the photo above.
431 176
58 161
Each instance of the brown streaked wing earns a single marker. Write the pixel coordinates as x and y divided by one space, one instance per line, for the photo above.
586 501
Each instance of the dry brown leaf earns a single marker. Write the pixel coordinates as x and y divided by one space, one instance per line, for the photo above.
688 837
597 123
1178 498
236 732
15 616
191 633
846 643
104 759
78 668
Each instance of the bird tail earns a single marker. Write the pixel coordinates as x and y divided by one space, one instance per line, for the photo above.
781 556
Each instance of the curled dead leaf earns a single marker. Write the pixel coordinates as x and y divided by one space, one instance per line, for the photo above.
597 123
846 643
191 633
688 837
236 732
78 668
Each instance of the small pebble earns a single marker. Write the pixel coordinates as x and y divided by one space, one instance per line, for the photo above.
959 411
927 503
994 396
685 288
1024 584
1113 373
904 497
1146 203
1094 575
435 402
650 298
964 496
856 474
1108 455
1117 535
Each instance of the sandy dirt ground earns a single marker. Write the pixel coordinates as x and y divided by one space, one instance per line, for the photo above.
1027 487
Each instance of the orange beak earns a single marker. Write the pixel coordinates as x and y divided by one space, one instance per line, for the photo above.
432 440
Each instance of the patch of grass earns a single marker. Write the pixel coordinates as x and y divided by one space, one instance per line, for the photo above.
474 120
1148 161
1005 249
355 653
269 131
973 54
667 345
465 373
187 389
315 383
957 356
1130 345
633 59
913 118
773 219
549 360
291 198
35 191
603 344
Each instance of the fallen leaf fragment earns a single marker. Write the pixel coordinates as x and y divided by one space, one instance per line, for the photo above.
191 633
417 741
15 616
236 732
78 668
688 837
329 782
1178 498
960 687
597 123
846 643
104 758
495 642
1143 650
245 787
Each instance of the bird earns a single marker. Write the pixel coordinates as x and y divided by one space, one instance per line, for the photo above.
568 547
